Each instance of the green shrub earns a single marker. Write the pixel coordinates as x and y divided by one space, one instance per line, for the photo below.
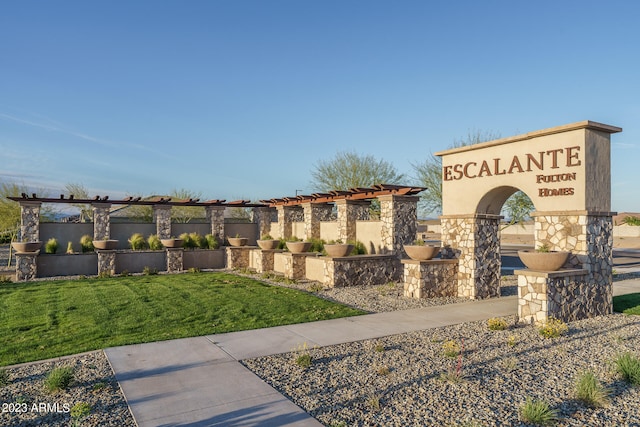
628 365
317 245
148 271
51 247
590 391
283 244
303 356
212 241
266 237
187 241
553 328
137 242
4 377
59 379
125 273
537 412
358 247
544 248
193 270
5 279
450 348
419 242
69 247
80 410
86 243
199 241
497 324
631 220
154 243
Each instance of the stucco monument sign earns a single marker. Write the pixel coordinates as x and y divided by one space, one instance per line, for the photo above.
566 172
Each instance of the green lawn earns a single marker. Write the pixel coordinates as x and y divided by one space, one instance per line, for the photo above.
40 320
628 304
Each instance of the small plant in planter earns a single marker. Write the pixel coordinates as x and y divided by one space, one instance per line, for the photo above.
137 242
267 242
543 258
296 245
335 248
51 247
419 250
238 241
86 243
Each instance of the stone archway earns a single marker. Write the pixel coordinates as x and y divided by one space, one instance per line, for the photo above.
566 172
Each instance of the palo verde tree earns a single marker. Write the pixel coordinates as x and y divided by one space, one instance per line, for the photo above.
350 170
429 174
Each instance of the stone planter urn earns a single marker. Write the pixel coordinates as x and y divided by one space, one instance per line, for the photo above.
26 247
105 245
268 245
298 247
172 243
421 252
543 261
338 250
238 241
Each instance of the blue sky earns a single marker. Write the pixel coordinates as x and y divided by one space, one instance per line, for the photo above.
239 99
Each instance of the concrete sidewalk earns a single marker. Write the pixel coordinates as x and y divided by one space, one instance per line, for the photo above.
200 382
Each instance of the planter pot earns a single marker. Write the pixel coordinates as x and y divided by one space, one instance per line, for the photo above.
105 245
422 252
268 244
172 243
543 261
26 247
298 247
238 241
338 250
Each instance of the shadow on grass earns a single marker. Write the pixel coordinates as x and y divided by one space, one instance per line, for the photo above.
628 304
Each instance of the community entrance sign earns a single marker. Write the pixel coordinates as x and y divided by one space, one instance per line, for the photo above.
566 172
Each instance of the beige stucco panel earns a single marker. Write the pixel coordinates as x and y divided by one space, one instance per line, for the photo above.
584 152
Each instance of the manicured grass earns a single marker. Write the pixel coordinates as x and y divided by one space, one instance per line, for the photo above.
628 304
40 320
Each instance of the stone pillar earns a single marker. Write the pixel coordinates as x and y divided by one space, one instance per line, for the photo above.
430 279
175 260
162 218
101 227
589 238
475 241
295 266
30 221
263 260
262 217
238 256
313 214
26 266
287 215
215 216
399 217
106 260
350 211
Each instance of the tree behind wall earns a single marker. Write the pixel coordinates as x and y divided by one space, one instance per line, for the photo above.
351 170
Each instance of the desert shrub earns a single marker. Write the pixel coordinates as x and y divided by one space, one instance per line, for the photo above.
199 241
553 328
148 271
193 270
283 244
104 274
497 324
317 245
86 243
266 237
294 239
537 412
628 365
450 348
5 279
80 410
631 220
302 356
137 242
358 247
212 241
51 247
419 242
154 242
69 247
59 379
187 241
590 391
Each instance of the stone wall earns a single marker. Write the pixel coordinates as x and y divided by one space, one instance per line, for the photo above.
430 279
30 221
398 215
361 270
475 241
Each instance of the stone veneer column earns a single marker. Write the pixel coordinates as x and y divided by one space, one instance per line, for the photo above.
26 266
106 262
287 215
215 216
101 227
589 238
399 217
350 211
475 241
313 214
175 260
262 217
30 221
162 218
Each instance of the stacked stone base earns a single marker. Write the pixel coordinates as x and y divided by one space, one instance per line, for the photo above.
295 265
567 295
175 260
26 266
361 270
106 262
430 279
263 260
239 256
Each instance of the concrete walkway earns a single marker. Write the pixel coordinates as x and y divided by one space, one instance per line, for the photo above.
200 382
